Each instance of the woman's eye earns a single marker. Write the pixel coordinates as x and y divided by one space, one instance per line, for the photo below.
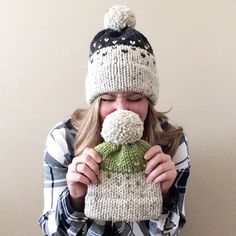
107 99
135 99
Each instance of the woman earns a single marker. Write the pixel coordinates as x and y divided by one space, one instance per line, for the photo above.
121 75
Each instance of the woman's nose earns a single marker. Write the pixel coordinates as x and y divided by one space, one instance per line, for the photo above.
122 105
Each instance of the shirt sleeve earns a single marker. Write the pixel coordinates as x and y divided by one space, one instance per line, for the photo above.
173 217
58 217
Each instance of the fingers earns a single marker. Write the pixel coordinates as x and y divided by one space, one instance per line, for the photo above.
84 164
165 177
73 178
83 175
152 152
159 167
85 168
92 153
155 157
162 172
90 158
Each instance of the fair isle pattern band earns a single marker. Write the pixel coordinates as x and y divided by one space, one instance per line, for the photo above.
122 68
131 197
127 36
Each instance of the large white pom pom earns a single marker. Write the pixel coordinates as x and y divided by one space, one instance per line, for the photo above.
118 17
122 127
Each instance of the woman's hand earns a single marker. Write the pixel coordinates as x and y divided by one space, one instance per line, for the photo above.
160 169
83 171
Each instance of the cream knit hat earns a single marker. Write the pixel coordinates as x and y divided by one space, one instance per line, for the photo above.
121 58
122 193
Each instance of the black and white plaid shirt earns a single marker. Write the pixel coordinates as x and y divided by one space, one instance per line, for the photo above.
59 218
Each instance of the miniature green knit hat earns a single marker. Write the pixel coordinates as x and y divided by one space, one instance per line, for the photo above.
122 193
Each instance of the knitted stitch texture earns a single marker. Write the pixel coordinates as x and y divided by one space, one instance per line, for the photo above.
118 17
122 127
122 193
121 59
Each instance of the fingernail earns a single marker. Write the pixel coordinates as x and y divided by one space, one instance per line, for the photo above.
146 171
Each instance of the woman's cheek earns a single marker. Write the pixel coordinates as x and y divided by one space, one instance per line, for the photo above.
105 109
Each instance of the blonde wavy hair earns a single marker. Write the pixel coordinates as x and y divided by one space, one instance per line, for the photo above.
157 129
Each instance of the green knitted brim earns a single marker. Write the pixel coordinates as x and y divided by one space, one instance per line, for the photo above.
124 159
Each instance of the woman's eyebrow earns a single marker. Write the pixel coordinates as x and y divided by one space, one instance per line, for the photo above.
109 94
135 94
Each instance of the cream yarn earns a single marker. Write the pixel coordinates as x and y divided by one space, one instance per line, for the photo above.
118 17
122 127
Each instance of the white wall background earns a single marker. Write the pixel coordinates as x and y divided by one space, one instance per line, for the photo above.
44 48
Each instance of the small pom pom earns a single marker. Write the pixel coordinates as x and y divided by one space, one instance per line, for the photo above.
118 17
122 127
